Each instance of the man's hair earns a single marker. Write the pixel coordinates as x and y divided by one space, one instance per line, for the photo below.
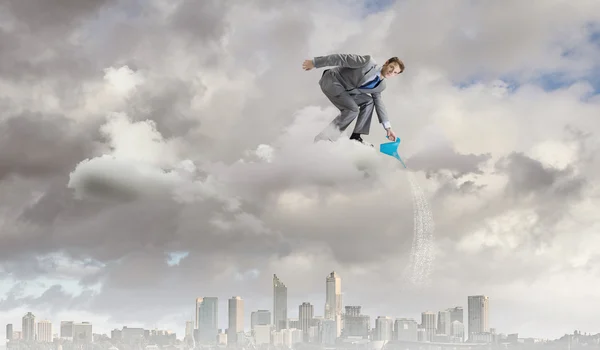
397 60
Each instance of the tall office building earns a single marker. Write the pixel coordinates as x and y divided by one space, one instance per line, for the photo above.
66 329
28 327
236 319
189 332
207 320
44 331
333 300
457 322
305 316
197 318
444 323
428 323
280 318
9 331
478 307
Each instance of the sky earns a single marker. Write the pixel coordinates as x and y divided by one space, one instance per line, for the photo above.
155 152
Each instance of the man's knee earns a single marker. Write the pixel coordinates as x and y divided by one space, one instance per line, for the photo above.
331 89
323 87
349 114
353 109
368 100
342 102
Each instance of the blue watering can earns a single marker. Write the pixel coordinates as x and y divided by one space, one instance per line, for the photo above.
391 149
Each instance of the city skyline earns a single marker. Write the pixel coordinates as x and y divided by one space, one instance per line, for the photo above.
206 315
432 325
385 326
219 306
30 324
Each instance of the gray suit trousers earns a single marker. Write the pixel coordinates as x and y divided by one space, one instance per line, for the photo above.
352 105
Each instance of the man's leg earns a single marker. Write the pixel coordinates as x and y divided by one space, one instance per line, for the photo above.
363 121
365 114
349 110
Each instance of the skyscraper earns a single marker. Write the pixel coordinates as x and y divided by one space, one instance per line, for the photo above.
333 300
428 323
198 303
28 327
189 332
457 322
44 331
236 319
207 320
66 329
279 304
444 322
478 307
305 315
9 331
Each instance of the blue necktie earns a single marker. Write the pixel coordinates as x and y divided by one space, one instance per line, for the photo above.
371 84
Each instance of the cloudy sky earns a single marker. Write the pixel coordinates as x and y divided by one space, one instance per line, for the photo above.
135 133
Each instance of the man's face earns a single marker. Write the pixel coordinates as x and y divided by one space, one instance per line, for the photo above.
391 70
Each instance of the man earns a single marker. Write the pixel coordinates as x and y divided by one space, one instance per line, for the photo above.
354 86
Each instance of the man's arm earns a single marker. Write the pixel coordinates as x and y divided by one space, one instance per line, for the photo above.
343 60
381 110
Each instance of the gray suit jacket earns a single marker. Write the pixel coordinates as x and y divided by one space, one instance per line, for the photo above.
350 72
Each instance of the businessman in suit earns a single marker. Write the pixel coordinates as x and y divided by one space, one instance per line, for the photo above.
354 86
